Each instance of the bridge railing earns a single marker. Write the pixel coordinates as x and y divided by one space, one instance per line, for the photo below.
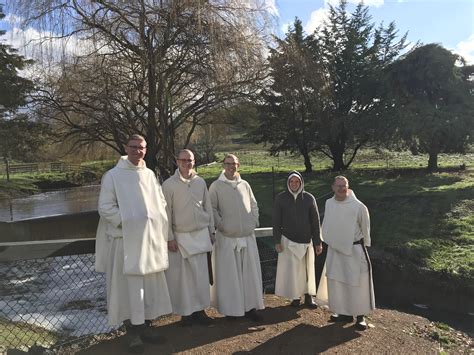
50 294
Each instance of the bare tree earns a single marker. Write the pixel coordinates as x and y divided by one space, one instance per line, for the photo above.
152 65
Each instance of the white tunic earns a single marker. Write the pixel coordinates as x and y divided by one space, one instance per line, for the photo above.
189 208
295 274
131 243
349 282
238 286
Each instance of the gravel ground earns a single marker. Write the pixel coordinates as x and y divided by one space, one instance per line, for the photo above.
289 330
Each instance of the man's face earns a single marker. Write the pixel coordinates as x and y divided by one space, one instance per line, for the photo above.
185 162
136 150
230 167
294 184
340 188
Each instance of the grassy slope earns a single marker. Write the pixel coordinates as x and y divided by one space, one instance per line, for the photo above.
424 218
427 219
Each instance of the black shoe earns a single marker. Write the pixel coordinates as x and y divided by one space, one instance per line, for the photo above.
149 334
295 302
309 302
135 343
186 321
341 318
361 324
202 318
253 315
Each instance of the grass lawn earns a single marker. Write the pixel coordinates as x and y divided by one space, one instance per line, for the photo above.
426 219
17 334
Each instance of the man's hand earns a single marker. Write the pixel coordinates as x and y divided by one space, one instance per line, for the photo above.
278 248
318 249
173 246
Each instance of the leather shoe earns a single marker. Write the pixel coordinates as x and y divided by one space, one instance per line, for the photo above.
186 321
342 318
361 324
295 303
253 315
309 302
149 335
201 317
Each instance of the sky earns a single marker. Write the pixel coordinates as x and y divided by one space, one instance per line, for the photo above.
449 23
446 22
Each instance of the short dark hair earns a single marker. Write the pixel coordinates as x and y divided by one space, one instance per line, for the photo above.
136 137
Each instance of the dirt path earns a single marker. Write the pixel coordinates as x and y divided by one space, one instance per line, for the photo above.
288 330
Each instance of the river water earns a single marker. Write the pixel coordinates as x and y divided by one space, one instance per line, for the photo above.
49 204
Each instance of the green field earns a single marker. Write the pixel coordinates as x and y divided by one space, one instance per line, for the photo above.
420 218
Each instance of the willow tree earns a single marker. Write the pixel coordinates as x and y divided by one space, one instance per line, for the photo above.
148 66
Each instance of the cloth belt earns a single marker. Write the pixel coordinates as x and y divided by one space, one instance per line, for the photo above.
366 254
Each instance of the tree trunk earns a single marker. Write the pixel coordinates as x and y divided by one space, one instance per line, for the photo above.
307 163
338 159
433 161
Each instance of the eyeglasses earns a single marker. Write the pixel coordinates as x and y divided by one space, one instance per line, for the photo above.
186 160
136 147
231 164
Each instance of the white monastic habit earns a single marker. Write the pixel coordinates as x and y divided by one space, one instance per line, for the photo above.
348 270
295 274
295 270
131 243
191 222
238 284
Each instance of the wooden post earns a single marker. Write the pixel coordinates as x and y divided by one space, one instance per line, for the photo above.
8 169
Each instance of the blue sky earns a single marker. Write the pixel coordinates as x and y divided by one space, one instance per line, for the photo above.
447 22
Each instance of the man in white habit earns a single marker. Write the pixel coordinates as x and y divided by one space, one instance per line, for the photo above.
296 231
238 288
131 245
346 230
190 238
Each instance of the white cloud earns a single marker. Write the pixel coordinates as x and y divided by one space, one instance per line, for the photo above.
286 26
271 7
316 19
466 49
376 3
318 16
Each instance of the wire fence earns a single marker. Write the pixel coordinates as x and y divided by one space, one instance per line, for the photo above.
6 170
50 302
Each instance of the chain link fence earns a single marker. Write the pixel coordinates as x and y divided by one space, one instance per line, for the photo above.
54 301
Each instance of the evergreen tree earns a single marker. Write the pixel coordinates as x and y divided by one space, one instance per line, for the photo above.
433 98
13 88
287 113
354 54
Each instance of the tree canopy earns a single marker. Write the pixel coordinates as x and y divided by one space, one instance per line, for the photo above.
288 117
149 67
433 93
13 87
327 89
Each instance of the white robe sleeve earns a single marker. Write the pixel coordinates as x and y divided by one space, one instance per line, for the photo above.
207 206
215 205
363 220
168 195
254 206
108 206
